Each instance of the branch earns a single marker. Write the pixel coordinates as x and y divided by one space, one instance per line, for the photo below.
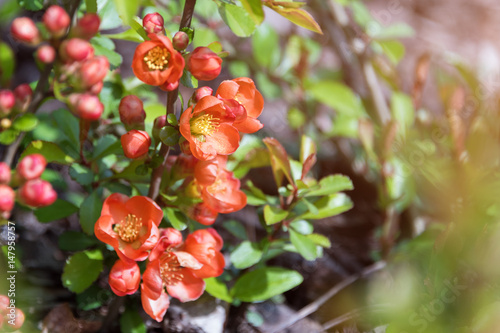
314 306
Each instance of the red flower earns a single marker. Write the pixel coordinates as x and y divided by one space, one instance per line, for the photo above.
157 63
130 226
124 277
208 128
135 143
204 64
243 91
180 268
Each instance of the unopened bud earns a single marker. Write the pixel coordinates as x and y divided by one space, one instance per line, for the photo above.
86 106
56 20
180 40
200 93
135 143
31 167
76 49
87 26
23 94
204 64
7 102
158 124
124 277
37 193
94 70
25 30
7 198
46 54
153 24
204 214
16 322
96 88
4 173
131 110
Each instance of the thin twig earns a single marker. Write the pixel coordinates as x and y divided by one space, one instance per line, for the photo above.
351 315
314 306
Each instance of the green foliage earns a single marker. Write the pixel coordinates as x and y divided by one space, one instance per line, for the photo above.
338 96
49 150
75 241
58 210
7 63
246 254
80 174
273 215
218 289
131 322
169 135
327 206
305 246
33 5
176 218
81 270
238 19
90 210
25 123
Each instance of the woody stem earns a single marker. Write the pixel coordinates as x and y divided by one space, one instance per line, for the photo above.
154 186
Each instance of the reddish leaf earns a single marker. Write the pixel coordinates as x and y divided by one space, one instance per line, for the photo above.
296 15
279 161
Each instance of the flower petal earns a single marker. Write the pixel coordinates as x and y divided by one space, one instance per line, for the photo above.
103 230
249 125
225 140
187 260
152 283
188 289
145 208
155 308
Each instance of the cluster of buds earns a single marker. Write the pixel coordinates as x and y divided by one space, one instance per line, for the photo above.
11 318
31 190
174 267
136 141
13 103
79 72
160 61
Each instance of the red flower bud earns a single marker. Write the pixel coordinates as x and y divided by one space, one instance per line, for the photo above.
200 93
23 94
18 321
180 40
204 64
158 124
25 30
4 173
94 70
37 193
56 20
46 54
31 166
76 49
135 143
7 102
86 106
87 26
153 24
131 110
96 88
7 198
124 277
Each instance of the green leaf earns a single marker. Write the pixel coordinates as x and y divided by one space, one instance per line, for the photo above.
169 135
115 59
81 174
127 9
304 245
296 118
338 96
7 64
236 228
307 147
58 210
130 35
91 6
302 226
296 15
81 270
393 49
264 283
90 211
33 5
93 298
330 185
320 240
8 136
395 31
254 9
75 241
329 206
131 322
238 19
279 161
187 80
25 123
68 125
246 254
274 215
105 146
49 150
176 218
402 111
266 38
172 119
136 24
217 289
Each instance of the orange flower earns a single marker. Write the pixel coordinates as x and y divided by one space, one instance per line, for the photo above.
124 277
180 268
130 226
243 91
157 63
208 128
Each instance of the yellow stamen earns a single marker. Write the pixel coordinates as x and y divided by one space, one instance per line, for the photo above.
205 124
169 270
157 58
128 229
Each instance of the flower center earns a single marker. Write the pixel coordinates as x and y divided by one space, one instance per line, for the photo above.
128 229
205 124
169 269
157 58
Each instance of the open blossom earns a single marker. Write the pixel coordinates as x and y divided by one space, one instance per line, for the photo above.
130 226
180 269
124 277
243 91
209 130
157 63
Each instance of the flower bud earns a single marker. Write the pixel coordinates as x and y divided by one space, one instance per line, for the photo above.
200 93
131 110
76 49
46 54
94 70
96 88
56 20
124 277
23 94
86 106
87 26
4 173
37 193
25 30
203 214
7 102
158 124
7 198
135 143
153 24
204 64
180 40
31 166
